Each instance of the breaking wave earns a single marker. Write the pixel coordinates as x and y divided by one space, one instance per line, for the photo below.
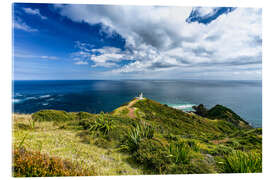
184 107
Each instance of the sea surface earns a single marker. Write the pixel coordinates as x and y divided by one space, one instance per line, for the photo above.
94 96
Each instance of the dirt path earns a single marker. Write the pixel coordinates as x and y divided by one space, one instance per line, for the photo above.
131 110
131 113
220 141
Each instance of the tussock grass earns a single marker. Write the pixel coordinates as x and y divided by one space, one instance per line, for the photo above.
243 162
134 135
180 153
48 138
102 124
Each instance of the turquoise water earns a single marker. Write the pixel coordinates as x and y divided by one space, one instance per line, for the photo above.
243 97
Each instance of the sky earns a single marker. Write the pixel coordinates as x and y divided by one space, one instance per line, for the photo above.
69 41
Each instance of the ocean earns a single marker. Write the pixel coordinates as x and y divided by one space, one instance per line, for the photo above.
94 96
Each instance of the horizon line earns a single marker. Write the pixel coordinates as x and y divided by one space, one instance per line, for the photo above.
132 79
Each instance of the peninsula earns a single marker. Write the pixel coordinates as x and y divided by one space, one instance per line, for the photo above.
140 137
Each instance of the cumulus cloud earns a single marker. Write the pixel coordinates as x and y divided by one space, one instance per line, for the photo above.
34 12
205 11
160 38
102 57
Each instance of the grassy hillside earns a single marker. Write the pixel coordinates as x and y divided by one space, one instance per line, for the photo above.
221 112
140 137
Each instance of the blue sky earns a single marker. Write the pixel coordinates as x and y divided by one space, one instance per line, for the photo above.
53 41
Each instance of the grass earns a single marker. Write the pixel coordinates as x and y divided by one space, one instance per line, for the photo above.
158 140
67 145
242 162
177 122
222 112
180 153
34 164
52 115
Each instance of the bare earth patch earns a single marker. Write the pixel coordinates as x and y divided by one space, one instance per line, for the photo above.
220 141
131 110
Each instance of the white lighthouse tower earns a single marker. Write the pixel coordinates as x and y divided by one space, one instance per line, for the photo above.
140 96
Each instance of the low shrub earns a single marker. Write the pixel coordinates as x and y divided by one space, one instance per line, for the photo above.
200 110
221 150
243 162
51 115
131 140
83 115
153 155
34 164
171 137
86 123
233 143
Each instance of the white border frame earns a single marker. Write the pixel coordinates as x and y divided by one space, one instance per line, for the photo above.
6 80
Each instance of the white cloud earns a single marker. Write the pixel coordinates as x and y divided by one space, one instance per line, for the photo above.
81 63
103 57
34 12
23 55
19 24
160 39
205 11
49 57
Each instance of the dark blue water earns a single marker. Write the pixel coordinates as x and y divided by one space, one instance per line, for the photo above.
243 97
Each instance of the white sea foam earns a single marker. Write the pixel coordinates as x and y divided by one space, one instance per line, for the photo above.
28 98
45 104
18 94
184 107
17 100
45 96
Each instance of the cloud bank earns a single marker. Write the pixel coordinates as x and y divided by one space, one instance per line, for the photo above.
160 39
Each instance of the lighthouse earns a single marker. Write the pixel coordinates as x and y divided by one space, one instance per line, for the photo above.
140 96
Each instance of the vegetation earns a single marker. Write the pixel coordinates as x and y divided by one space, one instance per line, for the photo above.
201 110
70 142
140 137
35 164
134 135
241 162
221 112
180 153
51 115
102 124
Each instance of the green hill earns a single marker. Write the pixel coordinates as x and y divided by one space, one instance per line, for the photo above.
221 112
148 138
